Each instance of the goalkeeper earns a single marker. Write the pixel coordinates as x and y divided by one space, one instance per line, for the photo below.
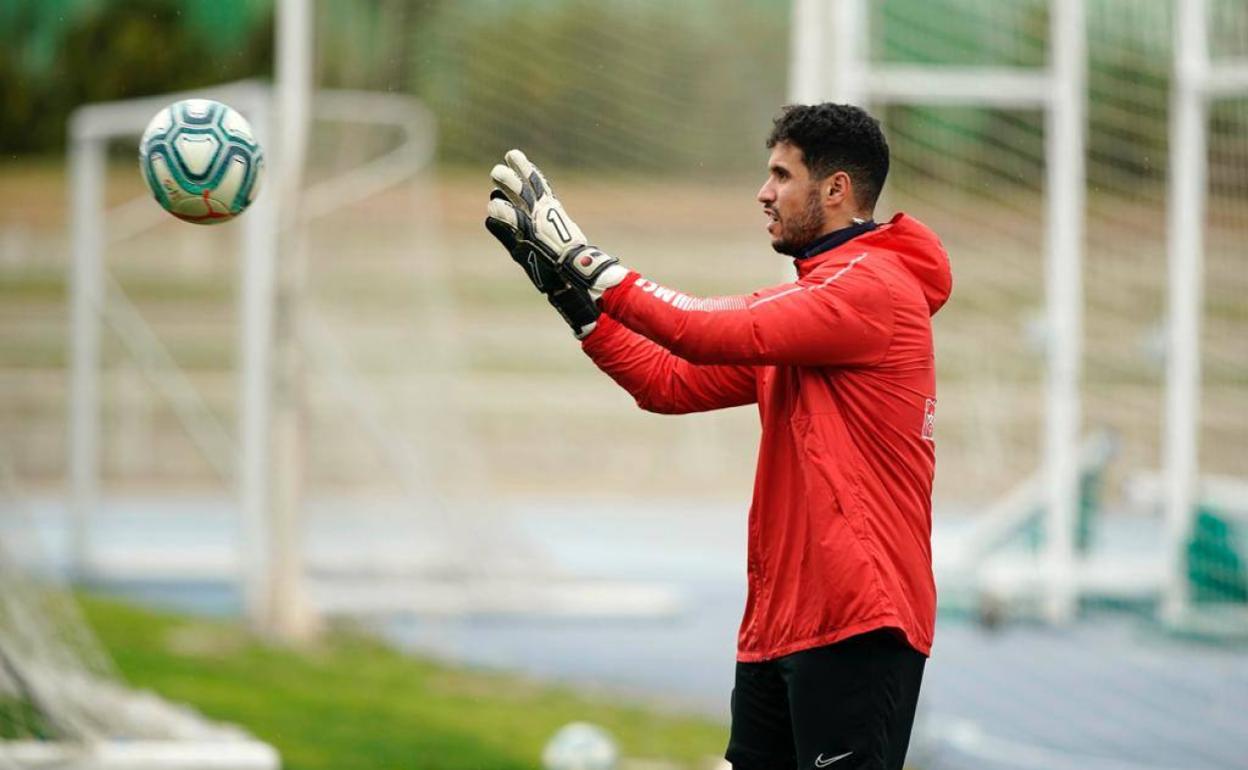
841 606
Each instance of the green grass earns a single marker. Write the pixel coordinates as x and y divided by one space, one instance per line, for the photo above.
351 702
20 720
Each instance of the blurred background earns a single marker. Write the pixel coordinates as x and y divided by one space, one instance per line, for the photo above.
233 457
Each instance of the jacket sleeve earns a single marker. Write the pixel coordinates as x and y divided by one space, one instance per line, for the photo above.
845 319
661 381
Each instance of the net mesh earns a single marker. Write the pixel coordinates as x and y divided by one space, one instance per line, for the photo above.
975 175
47 655
58 686
978 174
649 118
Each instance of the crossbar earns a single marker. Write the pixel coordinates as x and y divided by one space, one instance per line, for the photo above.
1005 87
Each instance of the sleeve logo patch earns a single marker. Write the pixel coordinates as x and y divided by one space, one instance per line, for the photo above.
929 420
682 301
663 294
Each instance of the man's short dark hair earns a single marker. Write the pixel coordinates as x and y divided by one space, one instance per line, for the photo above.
837 137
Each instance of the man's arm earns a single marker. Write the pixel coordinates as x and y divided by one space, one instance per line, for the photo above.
661 381
843 320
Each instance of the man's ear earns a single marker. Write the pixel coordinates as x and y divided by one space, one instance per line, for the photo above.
838 188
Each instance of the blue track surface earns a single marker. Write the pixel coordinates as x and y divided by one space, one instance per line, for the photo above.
1109 693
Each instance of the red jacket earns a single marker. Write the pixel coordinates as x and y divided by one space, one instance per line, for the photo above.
840 364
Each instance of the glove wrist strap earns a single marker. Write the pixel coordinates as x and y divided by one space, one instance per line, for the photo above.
592 269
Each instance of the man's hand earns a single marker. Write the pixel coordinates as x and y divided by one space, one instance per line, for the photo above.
541 218
514 230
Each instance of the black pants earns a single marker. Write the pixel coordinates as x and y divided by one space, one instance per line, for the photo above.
846 706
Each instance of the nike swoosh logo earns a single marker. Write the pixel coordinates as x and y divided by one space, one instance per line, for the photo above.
821 762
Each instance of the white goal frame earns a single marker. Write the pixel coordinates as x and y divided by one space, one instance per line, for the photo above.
842 72
243 463
91 129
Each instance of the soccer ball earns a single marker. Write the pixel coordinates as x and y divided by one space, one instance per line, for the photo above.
201 161
580 746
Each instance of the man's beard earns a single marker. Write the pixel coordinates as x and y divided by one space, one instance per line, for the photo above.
797 233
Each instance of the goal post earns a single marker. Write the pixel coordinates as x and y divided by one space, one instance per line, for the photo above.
1197 82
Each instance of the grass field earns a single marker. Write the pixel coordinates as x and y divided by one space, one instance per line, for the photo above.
351 703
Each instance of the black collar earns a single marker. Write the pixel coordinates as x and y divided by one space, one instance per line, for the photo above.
836 238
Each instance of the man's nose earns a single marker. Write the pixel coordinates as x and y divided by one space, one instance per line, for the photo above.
765 193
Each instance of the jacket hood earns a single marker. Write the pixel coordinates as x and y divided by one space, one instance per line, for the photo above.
922 253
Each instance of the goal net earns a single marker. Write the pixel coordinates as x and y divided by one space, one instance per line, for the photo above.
1080 695
62 702
979 175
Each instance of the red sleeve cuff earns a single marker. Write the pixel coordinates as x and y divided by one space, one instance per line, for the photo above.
602 333
611 297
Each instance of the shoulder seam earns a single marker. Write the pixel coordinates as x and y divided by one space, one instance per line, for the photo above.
830 279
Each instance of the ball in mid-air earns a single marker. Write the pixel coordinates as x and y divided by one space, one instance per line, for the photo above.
202 161
580 746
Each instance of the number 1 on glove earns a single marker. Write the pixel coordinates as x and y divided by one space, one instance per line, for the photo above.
553 232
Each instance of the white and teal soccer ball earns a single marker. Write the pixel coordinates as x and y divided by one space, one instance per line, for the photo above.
581 746
202 161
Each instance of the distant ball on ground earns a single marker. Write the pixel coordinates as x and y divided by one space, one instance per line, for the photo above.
581 746
202 161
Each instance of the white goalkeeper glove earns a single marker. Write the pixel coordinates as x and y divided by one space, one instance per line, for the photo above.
514 230
555 235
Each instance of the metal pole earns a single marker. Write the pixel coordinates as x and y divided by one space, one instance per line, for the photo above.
820 71
1064 136
849 25
290 615
86 293
807 61
258 256
1185 243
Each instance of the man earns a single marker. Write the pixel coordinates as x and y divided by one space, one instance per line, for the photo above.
841 605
